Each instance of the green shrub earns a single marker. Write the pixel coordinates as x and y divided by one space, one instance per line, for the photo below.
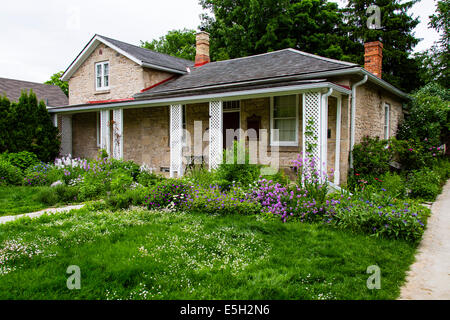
10 174
392 219
132 168
148 179
33 178
93 185
48 196
130 197
236 168
371 157
121 181
66 194
213 200
21 160
166 192
424 184
393 185
442 168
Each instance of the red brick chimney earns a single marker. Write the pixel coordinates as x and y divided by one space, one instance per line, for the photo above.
202 49
373 57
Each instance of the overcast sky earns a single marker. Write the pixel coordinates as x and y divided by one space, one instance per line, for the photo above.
39 38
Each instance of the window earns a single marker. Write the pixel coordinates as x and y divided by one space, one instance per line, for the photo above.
284 118
387 108
231 106
102 75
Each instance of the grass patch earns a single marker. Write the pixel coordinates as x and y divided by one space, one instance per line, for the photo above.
17 200
140 254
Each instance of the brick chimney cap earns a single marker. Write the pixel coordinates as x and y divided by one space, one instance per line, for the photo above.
203 32
373 44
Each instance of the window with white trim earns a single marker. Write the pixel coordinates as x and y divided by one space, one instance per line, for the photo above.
102 75
387 108
284 118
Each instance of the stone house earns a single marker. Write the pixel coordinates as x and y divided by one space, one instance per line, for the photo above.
138 105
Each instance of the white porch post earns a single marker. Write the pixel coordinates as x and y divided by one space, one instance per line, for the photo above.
66 134
118 134
105 139
55 119
312 111
215 134
324 142
337 159
176 140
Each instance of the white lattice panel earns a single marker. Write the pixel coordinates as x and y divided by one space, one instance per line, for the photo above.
118 134
215 134
176 139
66 134
105 139
311 110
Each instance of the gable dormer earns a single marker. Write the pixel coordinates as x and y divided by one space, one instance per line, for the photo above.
111 70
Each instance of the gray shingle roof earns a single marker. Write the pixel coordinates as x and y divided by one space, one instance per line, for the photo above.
52 95
275 64
151 57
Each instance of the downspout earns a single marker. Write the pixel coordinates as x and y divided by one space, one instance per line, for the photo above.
353 117
324 133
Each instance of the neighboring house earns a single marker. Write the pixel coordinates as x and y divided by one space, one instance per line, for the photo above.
52 95
134 103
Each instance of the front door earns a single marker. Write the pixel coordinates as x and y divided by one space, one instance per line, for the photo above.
230 121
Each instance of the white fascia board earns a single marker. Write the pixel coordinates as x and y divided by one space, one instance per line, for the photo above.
245 94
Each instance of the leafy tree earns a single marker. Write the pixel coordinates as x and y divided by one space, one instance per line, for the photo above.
56 81
428 118
178 43
435 62
33 128
244 27
396 34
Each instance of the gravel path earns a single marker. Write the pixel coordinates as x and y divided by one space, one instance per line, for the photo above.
429 277
40 213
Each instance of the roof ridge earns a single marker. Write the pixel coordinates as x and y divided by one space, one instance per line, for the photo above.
320 57
130 44
252 56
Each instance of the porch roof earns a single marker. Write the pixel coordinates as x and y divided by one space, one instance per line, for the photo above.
232 93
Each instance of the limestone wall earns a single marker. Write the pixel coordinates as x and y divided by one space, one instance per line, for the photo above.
126 78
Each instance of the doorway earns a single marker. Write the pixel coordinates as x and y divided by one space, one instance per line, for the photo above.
231 120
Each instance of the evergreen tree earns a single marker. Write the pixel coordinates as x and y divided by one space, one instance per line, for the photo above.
31 128
5 107
396 34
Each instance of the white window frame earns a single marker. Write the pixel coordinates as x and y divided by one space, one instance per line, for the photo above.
102 86
387 111
284 143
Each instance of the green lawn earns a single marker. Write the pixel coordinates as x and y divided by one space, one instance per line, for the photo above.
16 200
138 254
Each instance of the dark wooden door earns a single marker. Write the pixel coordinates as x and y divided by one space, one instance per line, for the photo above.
230 121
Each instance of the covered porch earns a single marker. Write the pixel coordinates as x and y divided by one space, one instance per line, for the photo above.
165 136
